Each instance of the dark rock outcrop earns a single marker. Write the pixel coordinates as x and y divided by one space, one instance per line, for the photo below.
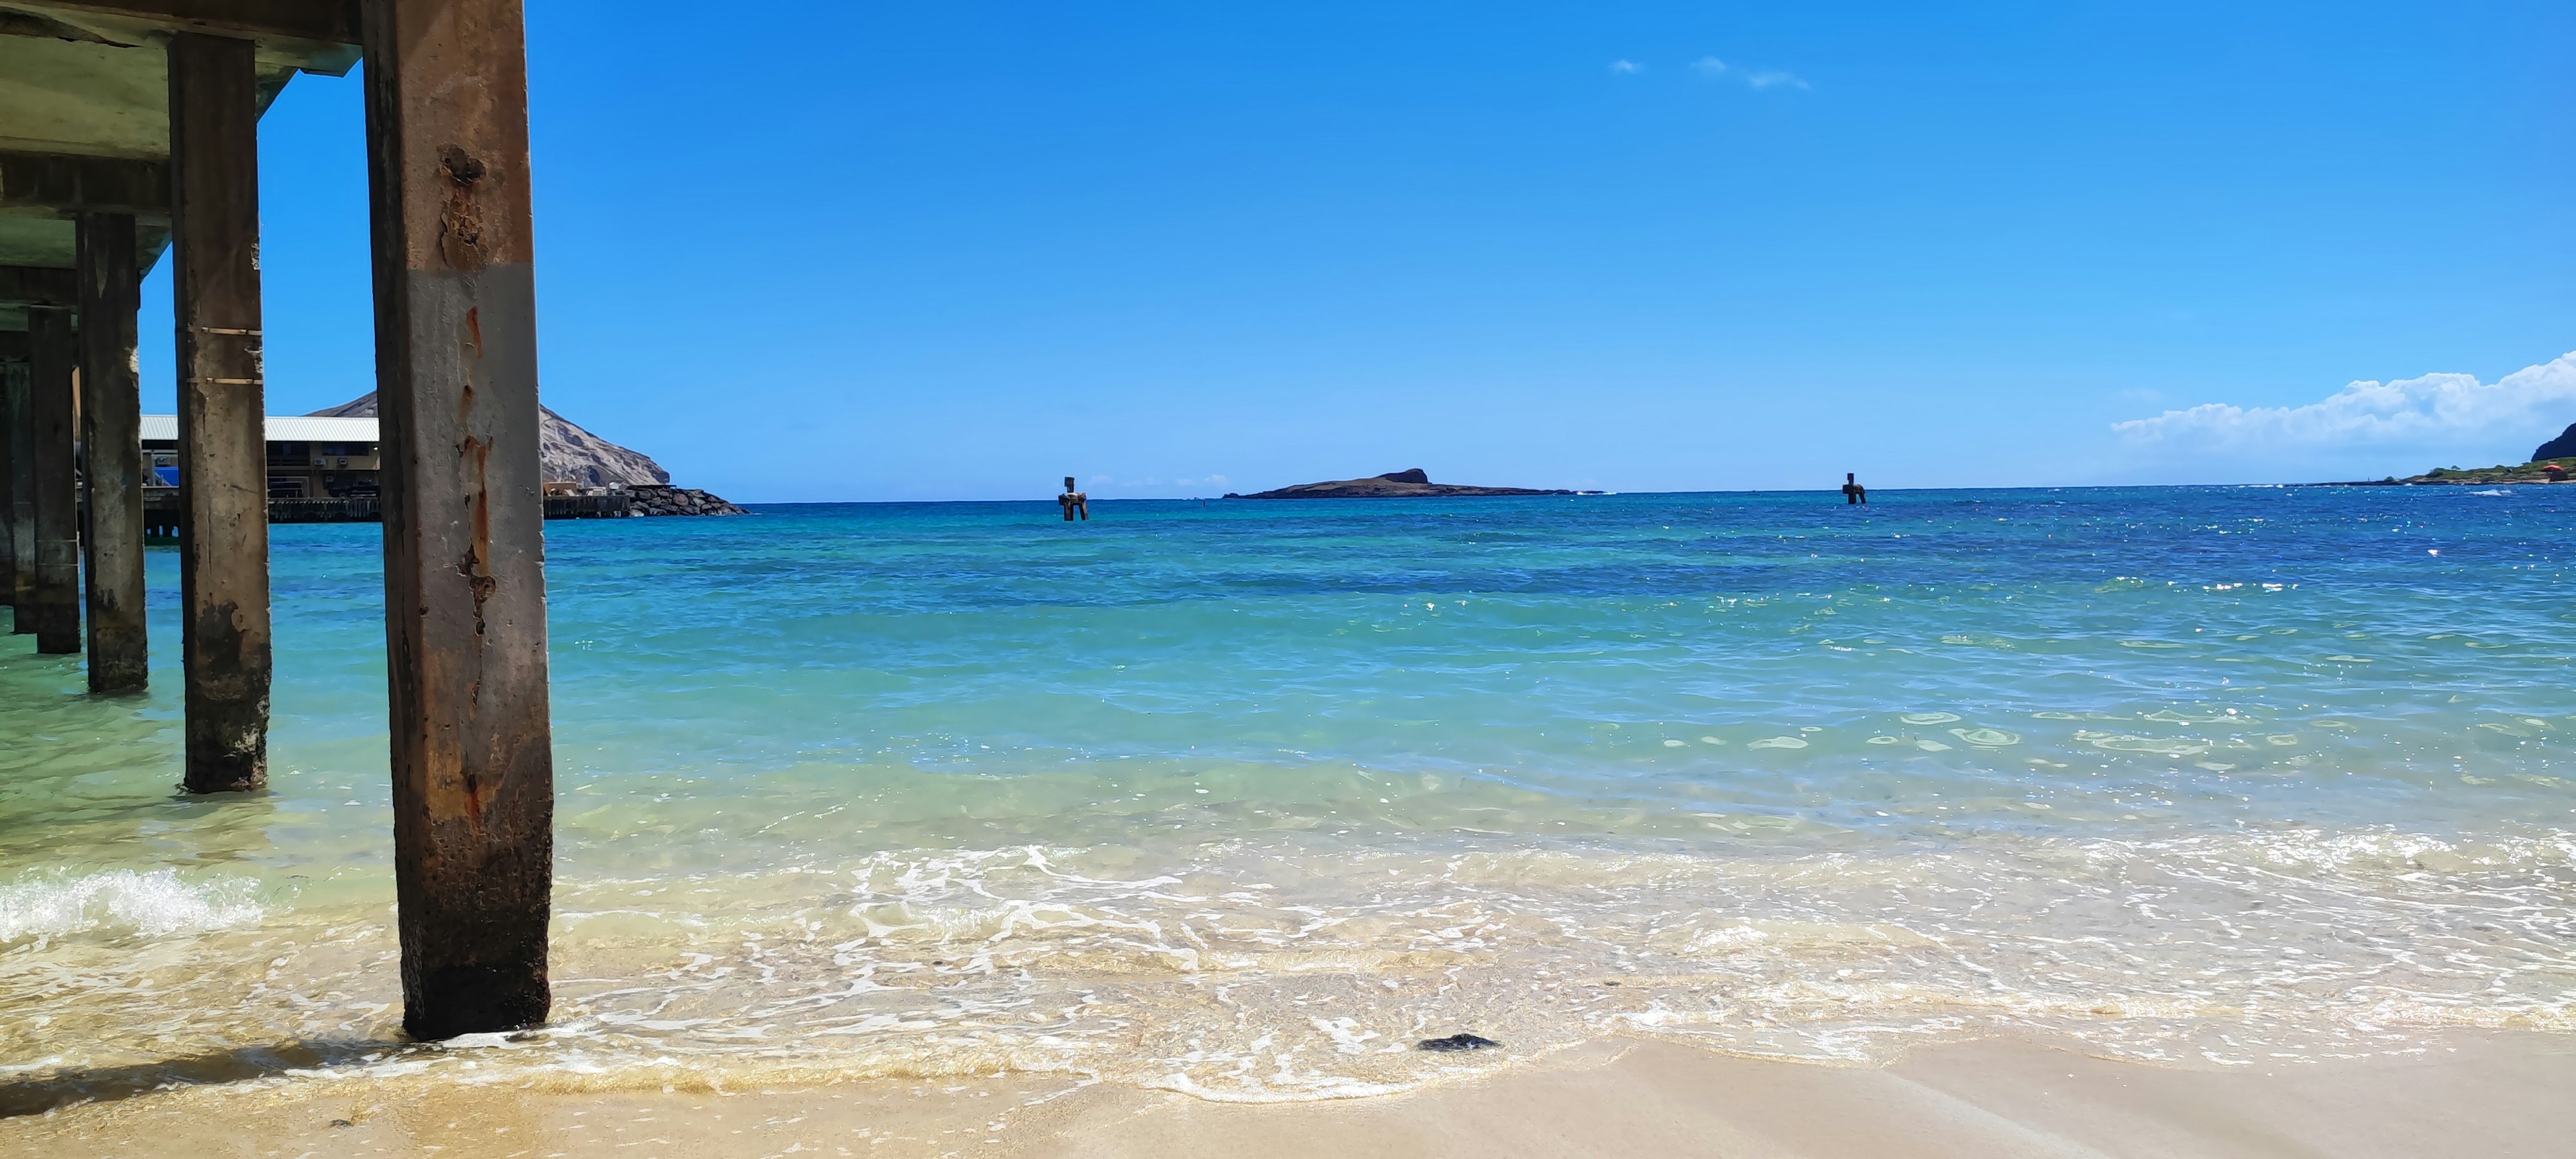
2564 446
665 500
1392 485
1457 1042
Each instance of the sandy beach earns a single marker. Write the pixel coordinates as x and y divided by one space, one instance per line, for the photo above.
2486 1094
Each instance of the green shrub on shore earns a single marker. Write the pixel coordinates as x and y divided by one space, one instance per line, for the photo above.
2531 472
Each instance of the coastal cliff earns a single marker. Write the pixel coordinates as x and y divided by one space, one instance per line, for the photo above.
565 452
2562 447
1412 484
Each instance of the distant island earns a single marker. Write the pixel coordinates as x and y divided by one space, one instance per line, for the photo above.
2550 463
1413 484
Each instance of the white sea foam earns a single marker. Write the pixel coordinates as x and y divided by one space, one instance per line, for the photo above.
1297 967
914 797
153 904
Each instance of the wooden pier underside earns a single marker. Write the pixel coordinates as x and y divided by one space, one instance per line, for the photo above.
127 130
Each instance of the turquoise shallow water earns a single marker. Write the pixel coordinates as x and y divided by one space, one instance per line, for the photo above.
1242 798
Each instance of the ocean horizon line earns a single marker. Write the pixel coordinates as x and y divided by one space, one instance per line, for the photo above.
1830 492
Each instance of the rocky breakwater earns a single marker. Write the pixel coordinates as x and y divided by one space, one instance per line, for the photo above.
1413 484
666 500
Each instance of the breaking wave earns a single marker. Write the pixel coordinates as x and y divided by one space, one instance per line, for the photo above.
158 903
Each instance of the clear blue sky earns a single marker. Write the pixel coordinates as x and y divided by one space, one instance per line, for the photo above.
871 251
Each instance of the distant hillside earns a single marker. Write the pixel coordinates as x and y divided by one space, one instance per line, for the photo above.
567 453
2554 471
2564 446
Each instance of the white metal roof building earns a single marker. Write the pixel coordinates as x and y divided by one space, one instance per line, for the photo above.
280 429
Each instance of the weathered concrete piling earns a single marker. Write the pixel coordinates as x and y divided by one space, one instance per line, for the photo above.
109 88
22 495
112 451
456 374
223 454
52 609
13 422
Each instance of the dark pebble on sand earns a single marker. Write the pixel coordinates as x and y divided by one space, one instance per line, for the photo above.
1457 1042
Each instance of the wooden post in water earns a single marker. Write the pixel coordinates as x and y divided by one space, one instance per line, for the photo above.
464 509
13 389
21 580
112 448
55 603
223 451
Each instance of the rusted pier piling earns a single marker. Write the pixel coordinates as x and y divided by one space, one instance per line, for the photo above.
456 373
111 424
121 115
53 607
13 425
22 492
223 453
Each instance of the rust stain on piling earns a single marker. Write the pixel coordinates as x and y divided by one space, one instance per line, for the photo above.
460 220
480 580
476 564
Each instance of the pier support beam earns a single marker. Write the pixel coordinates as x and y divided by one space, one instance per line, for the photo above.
111 422
465 601
53 608
223 452
13 389
21 580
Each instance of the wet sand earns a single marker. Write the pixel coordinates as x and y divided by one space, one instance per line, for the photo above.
2487 1094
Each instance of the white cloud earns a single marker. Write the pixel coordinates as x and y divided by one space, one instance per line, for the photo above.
1711 66
1626 66
2436 410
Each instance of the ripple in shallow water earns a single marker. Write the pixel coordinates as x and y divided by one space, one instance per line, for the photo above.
1246 802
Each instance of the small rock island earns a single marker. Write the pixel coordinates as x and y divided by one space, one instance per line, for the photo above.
1413 484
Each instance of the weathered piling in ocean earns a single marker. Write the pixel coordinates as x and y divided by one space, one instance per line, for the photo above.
21 580
53 607
112 454
223 454
101 92
13 391
456 373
